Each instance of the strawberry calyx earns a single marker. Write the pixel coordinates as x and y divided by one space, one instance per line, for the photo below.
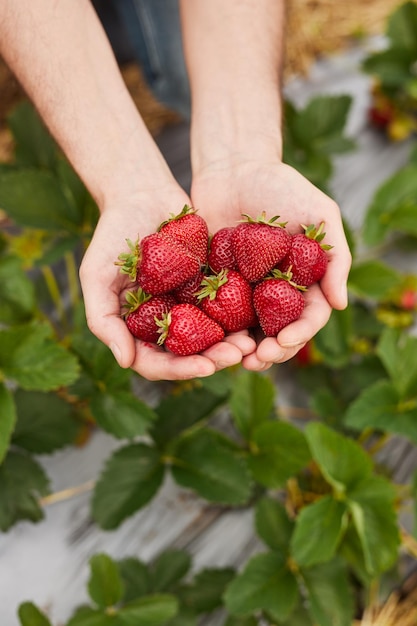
186 210
210 285
316 234
128 261
262 219
287 276
163 327
134 299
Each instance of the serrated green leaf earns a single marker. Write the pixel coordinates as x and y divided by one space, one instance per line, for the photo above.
219 383
332 341
402 27
342 461
397 351
30 615
380 407
150 611
251 401
45 422
265 584
169 568
105 585
318 531
373 279
372 506
7 419
22 482
204 594
121 414
136 578
73 189
206 462
178 411
131 478
329 593
273 525
391 66
279 451
34 145
87 616
17 296
184 617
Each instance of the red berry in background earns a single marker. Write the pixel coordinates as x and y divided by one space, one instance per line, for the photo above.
142 310
227 298
221 250
164 264
278 302
258 246
307 258
190 230
187 330
408 299
187 292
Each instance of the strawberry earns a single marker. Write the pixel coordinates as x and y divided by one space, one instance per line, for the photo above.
188 229
278 302
220 250
164 264
227 298
142 311
187 330
307 259
259 245
187 292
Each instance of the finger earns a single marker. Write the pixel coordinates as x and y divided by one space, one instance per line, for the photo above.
223 354
253 363
154 363
334 282
242 341
269 350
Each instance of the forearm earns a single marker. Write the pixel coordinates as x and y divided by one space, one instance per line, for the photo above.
61 56
234 53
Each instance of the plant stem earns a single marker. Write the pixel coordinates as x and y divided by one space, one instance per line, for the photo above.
72 274
54 292
67 494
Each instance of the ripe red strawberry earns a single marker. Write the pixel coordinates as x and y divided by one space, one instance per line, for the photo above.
227 298
190 230
307 259
187 330
278 302
142 311
259 245
220 250
163 264
187 291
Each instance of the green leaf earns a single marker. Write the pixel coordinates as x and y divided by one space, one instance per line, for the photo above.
73 189
279 451
402 27
136 579
372 505
131 478
86 616
34 199
204 594
342 461
219 383
251 401
178 411
397 350
33 143
332 341
184 617
22 482
206 462
299 617
322 119
169 569
265 584
329 593
45 422
373 279
394 200
30 615
380 407
17 296
392 67
121 414
105 585
36 362
150 611
7 420
273 525
240 621
318 531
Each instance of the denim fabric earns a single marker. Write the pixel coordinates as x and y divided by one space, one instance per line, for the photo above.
153 27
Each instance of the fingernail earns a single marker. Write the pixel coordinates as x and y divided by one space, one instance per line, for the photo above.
116 352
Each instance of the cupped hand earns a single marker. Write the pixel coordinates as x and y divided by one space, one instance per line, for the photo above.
222 193
104 289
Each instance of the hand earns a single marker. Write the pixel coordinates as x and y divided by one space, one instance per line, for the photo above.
104 288
222 193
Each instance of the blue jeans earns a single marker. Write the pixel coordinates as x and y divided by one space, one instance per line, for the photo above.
154 30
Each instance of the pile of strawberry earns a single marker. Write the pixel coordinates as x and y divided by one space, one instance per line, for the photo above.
192 289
